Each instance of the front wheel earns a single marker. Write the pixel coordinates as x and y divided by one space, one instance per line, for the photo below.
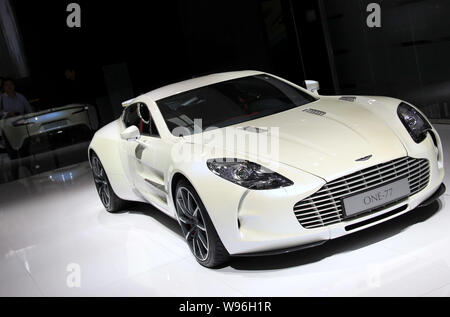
197 228
110 200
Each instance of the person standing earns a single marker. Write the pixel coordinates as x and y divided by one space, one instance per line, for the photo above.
72 88
13 103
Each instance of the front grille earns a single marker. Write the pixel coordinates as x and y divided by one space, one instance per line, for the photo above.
324 208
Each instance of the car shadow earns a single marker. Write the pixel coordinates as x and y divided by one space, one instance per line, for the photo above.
344 244
154 213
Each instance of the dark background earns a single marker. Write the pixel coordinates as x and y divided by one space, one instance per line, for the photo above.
137 46
127 48
146 44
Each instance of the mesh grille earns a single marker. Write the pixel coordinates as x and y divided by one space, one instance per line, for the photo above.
324 208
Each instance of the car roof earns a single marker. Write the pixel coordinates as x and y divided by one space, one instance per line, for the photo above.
194 83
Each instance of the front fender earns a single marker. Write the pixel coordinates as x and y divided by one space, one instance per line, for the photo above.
242 216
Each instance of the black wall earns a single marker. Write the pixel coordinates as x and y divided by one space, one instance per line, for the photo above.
406 58
152 42
142 45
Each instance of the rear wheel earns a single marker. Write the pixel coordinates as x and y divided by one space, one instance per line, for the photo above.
107 196
197 228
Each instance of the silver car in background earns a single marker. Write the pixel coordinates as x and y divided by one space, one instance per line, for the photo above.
49 129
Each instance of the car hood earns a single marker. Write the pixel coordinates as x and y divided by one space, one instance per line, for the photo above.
329 138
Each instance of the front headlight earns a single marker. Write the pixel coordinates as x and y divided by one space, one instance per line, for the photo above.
416 124
247 174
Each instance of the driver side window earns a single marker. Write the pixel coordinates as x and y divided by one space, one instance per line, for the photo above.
139 115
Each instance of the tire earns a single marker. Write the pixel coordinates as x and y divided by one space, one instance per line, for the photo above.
108 197
197 227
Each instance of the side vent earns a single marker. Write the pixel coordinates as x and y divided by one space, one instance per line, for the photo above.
315 112
254 130
349 99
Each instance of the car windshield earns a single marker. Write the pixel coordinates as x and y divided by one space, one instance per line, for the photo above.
230 102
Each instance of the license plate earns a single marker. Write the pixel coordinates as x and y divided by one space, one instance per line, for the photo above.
376 198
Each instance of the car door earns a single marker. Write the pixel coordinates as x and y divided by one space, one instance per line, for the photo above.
129 118
148 161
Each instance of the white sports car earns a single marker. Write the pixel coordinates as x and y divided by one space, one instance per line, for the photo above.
251 164
42 131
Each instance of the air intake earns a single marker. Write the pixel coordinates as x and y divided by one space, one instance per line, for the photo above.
349 99
325 208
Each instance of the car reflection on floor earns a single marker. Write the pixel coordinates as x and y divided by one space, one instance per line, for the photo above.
23 167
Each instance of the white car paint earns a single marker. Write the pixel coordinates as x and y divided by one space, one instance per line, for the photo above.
314 150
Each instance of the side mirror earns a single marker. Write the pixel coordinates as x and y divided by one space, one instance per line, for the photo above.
313 86
130 134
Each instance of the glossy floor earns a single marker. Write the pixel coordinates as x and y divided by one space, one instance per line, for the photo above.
57 240
23 167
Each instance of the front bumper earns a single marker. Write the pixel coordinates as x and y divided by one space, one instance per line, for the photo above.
441 190
380 218
266 224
